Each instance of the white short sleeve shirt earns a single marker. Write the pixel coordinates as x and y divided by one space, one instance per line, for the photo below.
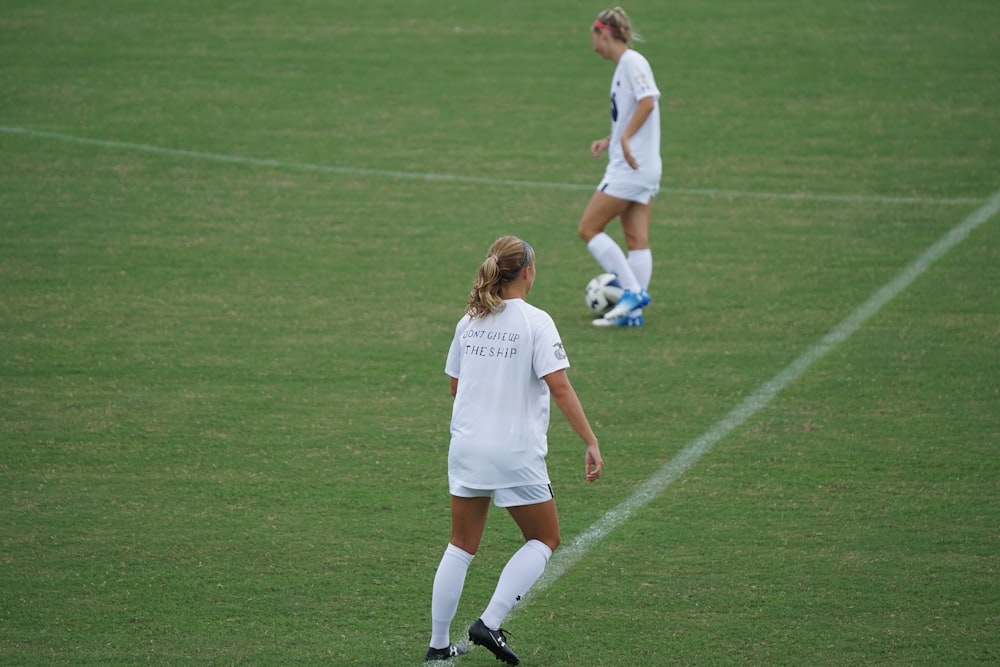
500 417
633 80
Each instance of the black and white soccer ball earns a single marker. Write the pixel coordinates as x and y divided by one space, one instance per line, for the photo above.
603 292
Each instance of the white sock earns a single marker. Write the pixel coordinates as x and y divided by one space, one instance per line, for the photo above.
448 584
611 258
641 262
521 571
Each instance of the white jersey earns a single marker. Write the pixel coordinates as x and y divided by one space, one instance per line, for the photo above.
501 412
633 80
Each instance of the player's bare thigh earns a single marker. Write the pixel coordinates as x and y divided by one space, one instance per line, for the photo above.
602 209
538 522
468 520
635 223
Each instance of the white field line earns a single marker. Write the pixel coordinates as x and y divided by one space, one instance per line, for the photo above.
567 556
475 180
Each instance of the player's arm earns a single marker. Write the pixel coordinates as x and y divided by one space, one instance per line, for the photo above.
569 404
454 387
642 112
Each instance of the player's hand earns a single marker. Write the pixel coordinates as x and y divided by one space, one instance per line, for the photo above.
594 463
599 146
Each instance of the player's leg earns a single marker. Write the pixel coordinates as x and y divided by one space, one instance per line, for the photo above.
601 210
468 520
635 225
539 524
635 220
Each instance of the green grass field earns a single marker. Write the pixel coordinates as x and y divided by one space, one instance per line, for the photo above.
234 242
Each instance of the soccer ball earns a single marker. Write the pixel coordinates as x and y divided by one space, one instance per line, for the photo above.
603 292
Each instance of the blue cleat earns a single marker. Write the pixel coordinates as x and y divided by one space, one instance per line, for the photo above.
628 302
624 321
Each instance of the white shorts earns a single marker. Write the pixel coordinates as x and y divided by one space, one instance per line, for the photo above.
514 496
630 189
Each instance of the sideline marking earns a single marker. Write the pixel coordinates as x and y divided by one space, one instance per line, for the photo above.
566 557
476 180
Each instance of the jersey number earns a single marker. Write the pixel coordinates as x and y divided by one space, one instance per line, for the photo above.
614 108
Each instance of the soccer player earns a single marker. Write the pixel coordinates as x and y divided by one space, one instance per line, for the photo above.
505 362
632 177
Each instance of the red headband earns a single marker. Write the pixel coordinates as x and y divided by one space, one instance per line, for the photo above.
598 24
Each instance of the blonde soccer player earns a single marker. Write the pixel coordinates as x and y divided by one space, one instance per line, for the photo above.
632 177
506 361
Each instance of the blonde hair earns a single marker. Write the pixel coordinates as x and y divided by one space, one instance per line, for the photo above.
506 259
620 25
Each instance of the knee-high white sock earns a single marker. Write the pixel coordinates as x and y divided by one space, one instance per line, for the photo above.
611 258
448 584
641 262
521 571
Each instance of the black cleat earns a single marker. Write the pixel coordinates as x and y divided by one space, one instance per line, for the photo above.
494 640
452 651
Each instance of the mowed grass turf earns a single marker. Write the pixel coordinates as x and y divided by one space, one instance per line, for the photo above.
229 283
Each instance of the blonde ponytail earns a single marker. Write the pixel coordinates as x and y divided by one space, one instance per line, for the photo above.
507 257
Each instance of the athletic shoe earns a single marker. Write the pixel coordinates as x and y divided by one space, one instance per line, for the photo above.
625 321
628 302
494 640
452 651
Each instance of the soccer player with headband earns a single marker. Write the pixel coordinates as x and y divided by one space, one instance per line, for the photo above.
632 177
